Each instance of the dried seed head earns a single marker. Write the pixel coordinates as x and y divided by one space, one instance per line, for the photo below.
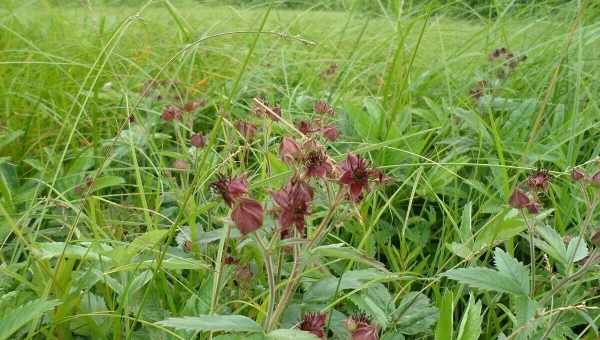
247 130
330 132
289 150
323 108
170 113
180 165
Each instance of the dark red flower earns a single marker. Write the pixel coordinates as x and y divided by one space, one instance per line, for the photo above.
322 107
355 175
330 132
230 188
198 140
305 127
539 180
247 215
261 108
577 175
170 113
247 130
596 178
294 200
314 323
289 150
230 260
533 207
316 161
519 199
361 328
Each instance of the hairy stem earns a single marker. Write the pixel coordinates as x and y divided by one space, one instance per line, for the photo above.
270 276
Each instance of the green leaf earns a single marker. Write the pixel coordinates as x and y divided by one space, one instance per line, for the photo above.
48 250
483 278
24 314
513 269
213 323
291 334
470 325
339 251
106 182
415 314
577 249
324 289
445 326
145 241
511 276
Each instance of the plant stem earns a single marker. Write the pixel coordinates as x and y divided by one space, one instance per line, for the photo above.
531 252
270 276
297 266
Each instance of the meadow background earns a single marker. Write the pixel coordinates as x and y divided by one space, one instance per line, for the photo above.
93 206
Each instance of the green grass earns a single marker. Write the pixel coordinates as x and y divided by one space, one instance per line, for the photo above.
92 206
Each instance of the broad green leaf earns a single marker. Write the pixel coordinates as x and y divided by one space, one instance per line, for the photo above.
145 241
24 314
525 309
513 269
370 307
48 250
291 334
324 289
106 182
445 326
483 278
341 252
577 249
213 323
415 314
242 336
470 325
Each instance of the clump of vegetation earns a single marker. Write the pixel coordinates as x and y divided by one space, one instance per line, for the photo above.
181 171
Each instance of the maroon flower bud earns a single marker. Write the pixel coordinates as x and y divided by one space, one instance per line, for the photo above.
322 107
577 175
247 130
519 199
181 165
314 323
305 127
539 181
170 113
596 178
229 260
198 140
330 132
361 328
533 207
230 188
247 215
289 150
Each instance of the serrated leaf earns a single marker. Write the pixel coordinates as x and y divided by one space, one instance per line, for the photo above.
483 278
22 315
415 314
145 241
213 323
577 249
342 252
470 325
325 288
291 334
511 276
513 269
